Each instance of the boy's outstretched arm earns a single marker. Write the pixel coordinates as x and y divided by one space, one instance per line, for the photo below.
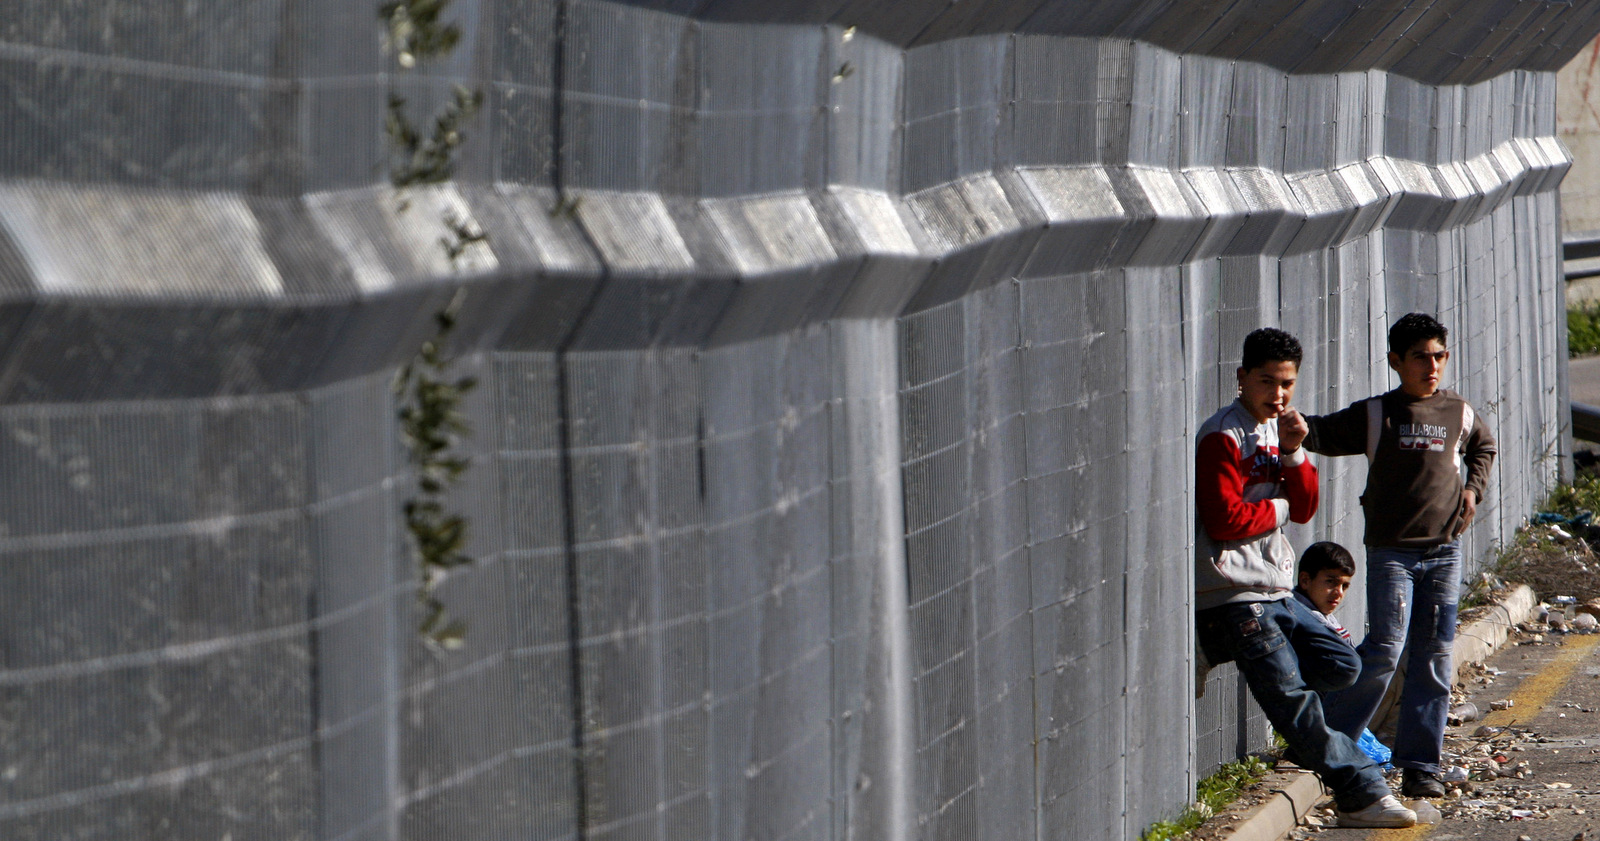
1343 433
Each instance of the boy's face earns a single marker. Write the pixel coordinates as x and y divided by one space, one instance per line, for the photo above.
1421 367
1266 389
1326 588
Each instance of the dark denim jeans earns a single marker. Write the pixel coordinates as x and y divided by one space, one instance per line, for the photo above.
1411 606
1287 655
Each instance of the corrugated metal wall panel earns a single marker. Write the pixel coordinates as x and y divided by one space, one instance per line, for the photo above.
840 361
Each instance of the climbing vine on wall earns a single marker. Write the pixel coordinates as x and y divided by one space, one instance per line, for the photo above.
431 426
429 398
416 158
415 32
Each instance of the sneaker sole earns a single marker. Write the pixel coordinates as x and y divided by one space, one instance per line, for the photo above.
1414 793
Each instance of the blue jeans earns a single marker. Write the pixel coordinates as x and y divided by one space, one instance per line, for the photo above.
1287 656
1411 607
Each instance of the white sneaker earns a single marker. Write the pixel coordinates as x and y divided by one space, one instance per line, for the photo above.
1386 812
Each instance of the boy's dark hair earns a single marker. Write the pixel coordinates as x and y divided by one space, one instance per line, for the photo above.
1415 327
1326 554
1269 344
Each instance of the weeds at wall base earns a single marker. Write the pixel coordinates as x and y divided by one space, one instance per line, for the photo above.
1212 795
1554 559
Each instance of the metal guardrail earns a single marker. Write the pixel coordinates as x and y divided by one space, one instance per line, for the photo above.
1580 255
1585 422
1581 246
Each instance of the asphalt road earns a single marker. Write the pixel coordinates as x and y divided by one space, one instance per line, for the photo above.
1553 725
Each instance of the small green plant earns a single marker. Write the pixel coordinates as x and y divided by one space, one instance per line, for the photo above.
418 159
1583 329
431 426
463 235
1476 593
1574 499
415 30
1213 794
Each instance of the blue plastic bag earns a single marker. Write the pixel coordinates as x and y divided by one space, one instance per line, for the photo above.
1545 518
1380 753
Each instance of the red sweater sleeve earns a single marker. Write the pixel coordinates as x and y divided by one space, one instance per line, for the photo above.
1219 492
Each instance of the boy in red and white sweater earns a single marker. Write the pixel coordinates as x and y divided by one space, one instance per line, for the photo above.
1251 477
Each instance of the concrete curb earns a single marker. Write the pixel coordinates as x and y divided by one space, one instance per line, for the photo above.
1484 637
1281 812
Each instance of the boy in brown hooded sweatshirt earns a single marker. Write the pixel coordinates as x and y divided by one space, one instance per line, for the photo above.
1428 456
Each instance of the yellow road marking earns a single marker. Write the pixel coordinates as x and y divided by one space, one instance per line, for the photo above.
1410 834
1537 690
